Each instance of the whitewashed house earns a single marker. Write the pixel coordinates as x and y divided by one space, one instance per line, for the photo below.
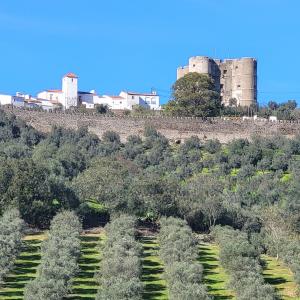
67 96
147 100
113 102
17 100
87 98
127 100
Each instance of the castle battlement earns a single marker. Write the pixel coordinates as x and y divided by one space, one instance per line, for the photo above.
235 79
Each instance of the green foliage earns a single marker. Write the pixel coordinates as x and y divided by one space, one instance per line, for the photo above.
12 128
105 181
121 264
241 259
178 251
93 213
283 111
194 95
59 264
204 182
101 109
11 226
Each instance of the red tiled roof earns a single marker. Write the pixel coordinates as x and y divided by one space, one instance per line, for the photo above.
71 75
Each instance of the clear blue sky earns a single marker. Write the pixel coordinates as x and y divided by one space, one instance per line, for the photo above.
138 44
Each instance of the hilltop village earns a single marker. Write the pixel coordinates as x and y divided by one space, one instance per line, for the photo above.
233 79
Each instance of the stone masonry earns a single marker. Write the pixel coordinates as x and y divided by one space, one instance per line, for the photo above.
173 128
235 79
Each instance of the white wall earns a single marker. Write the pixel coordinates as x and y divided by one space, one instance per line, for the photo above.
6 99
70 92
18 101
50 96
112 102
150 101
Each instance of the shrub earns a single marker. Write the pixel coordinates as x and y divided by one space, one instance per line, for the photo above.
11 227
60 253
121 264
241 259
178 251
212 146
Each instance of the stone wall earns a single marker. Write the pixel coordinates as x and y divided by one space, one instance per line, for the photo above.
172 128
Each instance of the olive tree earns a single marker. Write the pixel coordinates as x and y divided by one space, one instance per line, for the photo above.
11 226
59 263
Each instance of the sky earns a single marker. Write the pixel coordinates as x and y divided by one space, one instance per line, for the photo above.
137 45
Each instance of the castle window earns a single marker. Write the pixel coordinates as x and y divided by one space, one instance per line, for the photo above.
194 65
221 86
238 85
132 97
224 71
236 67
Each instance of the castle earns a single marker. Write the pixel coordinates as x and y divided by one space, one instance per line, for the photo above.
235 79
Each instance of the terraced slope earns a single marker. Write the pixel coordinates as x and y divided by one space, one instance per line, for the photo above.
24 269
214 275
155 285
84 285
280 276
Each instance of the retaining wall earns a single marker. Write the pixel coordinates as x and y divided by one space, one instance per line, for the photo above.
174 128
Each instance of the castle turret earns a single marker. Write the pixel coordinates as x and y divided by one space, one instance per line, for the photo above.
233 78
200 64
244 81
70 90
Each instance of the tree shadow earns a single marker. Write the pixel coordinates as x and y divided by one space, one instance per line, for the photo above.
210 263
23 270
274 281
151 270
84 286
90 239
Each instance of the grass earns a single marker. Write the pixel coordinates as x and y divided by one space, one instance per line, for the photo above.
286 177
155 285
84 286
278 275
24 269
215 277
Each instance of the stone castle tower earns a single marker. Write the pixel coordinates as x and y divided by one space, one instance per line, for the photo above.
234 78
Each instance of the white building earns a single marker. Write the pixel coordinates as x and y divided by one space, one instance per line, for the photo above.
67 96
87 98
127 100
113 102
147 100
17 100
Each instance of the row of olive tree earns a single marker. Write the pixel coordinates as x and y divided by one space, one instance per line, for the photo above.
59 264
178 251
291 256
241 259
278 235
121 268
11 226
